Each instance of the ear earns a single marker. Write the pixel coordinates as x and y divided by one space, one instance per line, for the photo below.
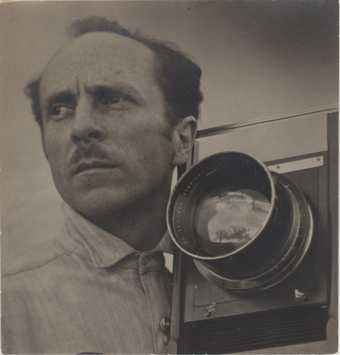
183 138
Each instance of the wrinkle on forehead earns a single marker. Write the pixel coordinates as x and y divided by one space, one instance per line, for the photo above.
103 58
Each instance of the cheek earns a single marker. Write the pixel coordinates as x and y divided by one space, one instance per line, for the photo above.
144 137
56 135
148 160
155 160
153 147
55 145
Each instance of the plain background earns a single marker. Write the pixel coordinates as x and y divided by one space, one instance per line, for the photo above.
260 59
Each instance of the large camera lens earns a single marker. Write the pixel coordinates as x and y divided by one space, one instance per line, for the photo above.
247 229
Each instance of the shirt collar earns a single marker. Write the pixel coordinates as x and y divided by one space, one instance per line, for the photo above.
102 248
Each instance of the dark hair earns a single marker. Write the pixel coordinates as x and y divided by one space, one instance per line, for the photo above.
178 76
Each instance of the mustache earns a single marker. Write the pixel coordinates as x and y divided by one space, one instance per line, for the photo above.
91 152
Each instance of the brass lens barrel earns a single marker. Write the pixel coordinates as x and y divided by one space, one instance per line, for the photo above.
247 229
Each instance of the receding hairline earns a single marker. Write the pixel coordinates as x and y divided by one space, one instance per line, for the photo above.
69 45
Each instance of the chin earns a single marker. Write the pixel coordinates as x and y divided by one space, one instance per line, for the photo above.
100 202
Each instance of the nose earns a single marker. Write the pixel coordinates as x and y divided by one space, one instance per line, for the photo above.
86 128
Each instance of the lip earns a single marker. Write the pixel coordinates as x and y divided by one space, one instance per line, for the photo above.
92 166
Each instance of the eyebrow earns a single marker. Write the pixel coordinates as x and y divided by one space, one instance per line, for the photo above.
124 88
70 96
62 96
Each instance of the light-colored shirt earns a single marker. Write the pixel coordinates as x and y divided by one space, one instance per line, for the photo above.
91 292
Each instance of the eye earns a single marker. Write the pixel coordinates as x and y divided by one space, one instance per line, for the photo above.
60 111
113 99
108 100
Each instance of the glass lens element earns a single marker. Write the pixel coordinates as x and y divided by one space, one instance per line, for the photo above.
227 220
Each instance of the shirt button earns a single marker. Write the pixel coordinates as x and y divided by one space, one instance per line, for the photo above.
166 339
164 325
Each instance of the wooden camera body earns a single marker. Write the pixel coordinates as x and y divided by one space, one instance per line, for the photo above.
209 319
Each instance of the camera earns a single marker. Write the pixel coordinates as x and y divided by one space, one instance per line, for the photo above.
254 219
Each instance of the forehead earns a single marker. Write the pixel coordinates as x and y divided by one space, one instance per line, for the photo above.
100 58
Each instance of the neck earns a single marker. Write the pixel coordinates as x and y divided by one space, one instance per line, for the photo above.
141 225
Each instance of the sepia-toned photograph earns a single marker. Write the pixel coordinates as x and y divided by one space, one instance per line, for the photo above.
169 177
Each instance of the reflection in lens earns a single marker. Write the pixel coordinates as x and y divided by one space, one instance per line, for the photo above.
227 220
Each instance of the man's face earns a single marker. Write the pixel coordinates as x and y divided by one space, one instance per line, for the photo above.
105 132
